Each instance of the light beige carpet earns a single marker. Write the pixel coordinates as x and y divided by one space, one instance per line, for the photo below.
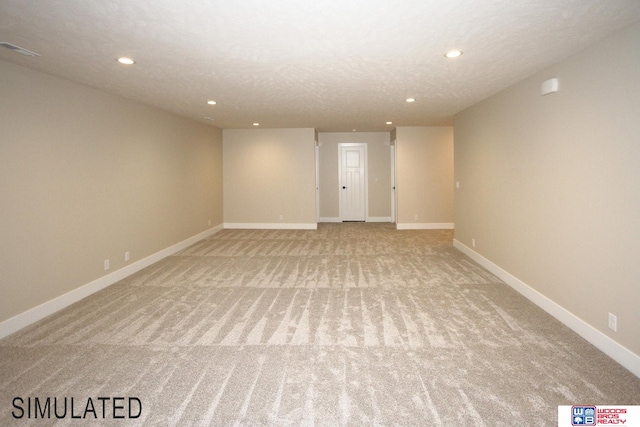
352 324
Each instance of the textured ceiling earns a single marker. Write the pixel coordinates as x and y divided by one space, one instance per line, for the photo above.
332 65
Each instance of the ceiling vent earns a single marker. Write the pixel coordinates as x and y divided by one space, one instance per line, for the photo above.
18 49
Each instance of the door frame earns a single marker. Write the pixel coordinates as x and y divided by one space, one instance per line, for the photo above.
366 177
394 203
317 161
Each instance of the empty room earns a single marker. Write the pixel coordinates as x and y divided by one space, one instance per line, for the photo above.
320 213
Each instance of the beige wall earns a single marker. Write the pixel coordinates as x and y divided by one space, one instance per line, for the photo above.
424 176
328 179
268 173
86 176
378 173
550 186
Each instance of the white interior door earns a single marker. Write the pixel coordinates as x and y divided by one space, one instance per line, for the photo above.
352 167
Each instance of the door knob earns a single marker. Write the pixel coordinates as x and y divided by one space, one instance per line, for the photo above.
343 187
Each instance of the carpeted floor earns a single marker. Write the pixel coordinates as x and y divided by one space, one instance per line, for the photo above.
352 324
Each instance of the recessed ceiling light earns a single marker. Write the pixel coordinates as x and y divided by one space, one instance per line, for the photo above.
256 124
211 102
453 53
410 100
126 61
389 123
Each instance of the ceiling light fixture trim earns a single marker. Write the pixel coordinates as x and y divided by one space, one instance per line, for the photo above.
125 61
454 53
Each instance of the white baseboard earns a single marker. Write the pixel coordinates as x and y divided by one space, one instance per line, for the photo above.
369 219
610 347
425 226
28 317
329 219
271 226
379 219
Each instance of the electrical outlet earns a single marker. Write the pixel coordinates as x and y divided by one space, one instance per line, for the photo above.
415 217
613 322
473 242
280 217
126 256
106 264
209 223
